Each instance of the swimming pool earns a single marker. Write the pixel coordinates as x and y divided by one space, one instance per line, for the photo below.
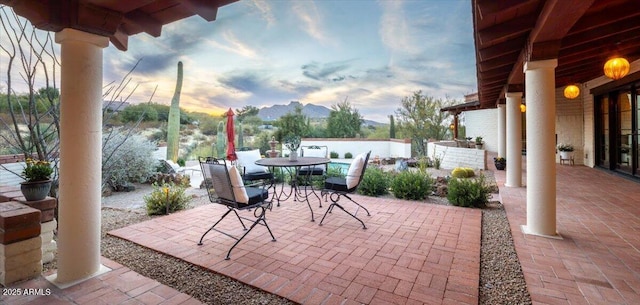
343 167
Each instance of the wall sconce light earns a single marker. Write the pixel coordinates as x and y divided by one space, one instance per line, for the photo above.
523 108
616 68
571 91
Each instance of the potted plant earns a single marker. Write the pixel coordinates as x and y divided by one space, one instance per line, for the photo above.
566 150
37 174
479 142
292 143
624 154
500 163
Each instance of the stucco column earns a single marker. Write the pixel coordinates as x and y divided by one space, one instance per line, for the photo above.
502 133
514 139
79 217
541 163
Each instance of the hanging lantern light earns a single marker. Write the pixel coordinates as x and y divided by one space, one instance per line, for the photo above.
616 68
523 108
571 91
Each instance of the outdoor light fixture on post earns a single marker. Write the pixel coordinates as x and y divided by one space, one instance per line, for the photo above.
523 108
616 68
571 91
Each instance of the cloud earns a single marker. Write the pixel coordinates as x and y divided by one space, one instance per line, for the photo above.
234 45
264 9
324 72
395 31
312 21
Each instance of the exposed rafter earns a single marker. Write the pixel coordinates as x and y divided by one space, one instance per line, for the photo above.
115 19
580 34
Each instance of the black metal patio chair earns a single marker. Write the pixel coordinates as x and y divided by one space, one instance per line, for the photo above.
337 187
306 173
224 186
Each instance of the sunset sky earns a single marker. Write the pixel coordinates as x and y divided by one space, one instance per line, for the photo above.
266 52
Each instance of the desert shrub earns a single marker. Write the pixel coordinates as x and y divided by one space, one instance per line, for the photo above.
164 178
333 155
375 182
166 197
126 158
412 185
466 192
348 155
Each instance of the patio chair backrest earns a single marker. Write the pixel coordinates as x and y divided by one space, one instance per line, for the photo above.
223 182
315 151
353 176
247 160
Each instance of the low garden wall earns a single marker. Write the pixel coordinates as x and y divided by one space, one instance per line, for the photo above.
387 148
10 164
452 156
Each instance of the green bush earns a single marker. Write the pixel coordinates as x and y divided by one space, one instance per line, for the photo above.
468 192
181 162
164 195
348 155
333 155
375 182
411 185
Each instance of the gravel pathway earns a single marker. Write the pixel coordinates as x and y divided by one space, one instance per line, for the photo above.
501 278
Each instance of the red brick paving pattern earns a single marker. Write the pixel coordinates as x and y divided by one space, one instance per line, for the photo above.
410 252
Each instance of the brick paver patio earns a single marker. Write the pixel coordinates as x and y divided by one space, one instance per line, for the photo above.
410 253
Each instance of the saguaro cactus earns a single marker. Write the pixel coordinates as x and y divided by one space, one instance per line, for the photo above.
240 135
221 142
392 127
173 128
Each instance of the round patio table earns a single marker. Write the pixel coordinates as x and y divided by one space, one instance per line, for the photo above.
293 167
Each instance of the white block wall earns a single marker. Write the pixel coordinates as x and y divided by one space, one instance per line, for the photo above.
394 148
452 157
483 123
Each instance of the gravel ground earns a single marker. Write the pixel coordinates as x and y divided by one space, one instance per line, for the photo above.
501 278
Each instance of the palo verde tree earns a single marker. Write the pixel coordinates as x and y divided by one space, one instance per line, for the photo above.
30 124
294 123
420 118
173 126
344 121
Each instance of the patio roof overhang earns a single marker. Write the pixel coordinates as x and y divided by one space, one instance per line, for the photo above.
115 19
582 35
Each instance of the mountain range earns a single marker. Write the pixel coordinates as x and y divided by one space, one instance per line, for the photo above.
312 111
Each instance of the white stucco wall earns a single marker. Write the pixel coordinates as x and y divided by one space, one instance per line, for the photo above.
395 148
452 156
570 124
483 123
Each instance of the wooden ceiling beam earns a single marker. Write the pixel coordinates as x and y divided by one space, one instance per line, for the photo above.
498 62
606 16
511 29
500 49
145 22
489 8
201 8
